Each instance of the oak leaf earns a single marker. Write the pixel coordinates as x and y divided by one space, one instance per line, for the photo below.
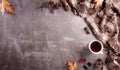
98 3
71 65
6 6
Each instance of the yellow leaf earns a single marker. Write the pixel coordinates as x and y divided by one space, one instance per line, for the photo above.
75 65
98 3
7 6
71 65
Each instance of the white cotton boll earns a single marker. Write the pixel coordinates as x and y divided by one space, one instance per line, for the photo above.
116 62
73 2
105 37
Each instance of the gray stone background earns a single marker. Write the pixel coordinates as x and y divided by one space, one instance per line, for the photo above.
35 39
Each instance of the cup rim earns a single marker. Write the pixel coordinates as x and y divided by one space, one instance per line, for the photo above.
101 51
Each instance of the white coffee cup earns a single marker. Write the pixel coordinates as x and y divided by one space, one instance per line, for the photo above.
96 47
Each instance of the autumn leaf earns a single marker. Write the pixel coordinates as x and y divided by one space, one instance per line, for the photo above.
6 6
71 65
98 3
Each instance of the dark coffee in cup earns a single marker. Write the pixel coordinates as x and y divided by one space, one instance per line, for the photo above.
96 47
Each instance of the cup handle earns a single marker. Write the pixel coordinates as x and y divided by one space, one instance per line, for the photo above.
101 52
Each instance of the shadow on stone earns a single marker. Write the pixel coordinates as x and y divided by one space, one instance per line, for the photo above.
85 52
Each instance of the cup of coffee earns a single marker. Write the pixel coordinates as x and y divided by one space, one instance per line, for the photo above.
96 47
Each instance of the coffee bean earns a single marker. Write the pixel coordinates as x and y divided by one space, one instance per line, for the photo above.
85 67
89 64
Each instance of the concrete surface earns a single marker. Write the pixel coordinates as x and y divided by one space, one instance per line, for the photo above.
35 39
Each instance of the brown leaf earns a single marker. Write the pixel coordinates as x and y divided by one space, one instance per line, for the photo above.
6 6
98 3
71 65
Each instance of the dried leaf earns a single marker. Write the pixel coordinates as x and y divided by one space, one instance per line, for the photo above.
6 6
71 65
75 65
98 3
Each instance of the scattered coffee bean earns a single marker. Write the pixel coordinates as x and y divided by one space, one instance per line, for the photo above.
87 30
85 67
89 64
98 63
66 5
50 3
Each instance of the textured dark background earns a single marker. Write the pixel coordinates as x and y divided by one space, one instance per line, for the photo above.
35 39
